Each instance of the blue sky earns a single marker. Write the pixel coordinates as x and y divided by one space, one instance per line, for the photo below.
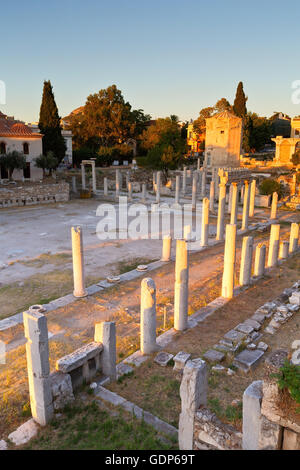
167 56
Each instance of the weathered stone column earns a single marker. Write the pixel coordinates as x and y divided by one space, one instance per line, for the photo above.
193 394
129 188
274 206
83 184
252 198
166 249
211 196
148 316
105 187
184 181
117 184
294 236
94 176
234 204
194 190
74 186
246 261
105 333
221 212
198 164
284 249
37 354
260 260
78 263
273 245
229 200
144 192
154 181
177 190
205 222
229 262
181 286
203 182
252 399
246 206
158 187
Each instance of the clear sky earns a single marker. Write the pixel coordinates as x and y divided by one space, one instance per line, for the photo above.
167 56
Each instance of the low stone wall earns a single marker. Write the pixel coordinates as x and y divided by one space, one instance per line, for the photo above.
28 195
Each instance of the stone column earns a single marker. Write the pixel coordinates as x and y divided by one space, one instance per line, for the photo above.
117 184
94 177
184 181
252 198
166 250
221 212
246 206
252 399
37 354
158 187
205 222
284 249
246 261
274 206
154 181
294 235
198 164
148 316
203 183
105 333
211 196
194 190
78 263
273 245
105 187
260 260
177 190
129 188
193 394
229 200
83 184
229 262
144 192
74 186
234 204
181 286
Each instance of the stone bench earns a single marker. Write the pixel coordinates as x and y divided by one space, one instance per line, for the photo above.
82 364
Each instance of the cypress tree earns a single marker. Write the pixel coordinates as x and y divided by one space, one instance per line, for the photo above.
49 124
239 105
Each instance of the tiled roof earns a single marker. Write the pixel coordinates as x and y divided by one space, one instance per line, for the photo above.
11 128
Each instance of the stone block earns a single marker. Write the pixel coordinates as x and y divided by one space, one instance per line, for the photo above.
234 337
213 356
180 360
291 440
247 360
79 357
244 328
123 369
259 317
24 433
255 324
163 358
62 390
295 298
270 437
263 346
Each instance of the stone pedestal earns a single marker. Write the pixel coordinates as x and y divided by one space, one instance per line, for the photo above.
166 250
284 249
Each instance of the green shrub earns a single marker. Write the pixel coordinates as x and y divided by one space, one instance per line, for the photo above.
289 378
270 186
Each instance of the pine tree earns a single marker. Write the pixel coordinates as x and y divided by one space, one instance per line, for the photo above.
49 124
239 105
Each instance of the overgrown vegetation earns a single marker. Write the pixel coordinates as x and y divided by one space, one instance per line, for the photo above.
289 378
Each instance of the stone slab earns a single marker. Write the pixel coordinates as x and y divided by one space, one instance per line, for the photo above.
234 336
277 358
247 360
79 357
213 356
123 369
163 358
255 324
259 317
180 360
24 433
244 328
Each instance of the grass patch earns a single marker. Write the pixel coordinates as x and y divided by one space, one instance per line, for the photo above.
126 266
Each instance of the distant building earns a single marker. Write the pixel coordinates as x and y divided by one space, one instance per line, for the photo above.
286 147
17 136
67 135
223 140
194 141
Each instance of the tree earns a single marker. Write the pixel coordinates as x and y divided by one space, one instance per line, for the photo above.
223 105
270 186
47 162
200 123
13 161
239 105
49 124
258 131
296 158
153 134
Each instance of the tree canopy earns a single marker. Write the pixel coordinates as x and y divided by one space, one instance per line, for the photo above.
239 105
13 161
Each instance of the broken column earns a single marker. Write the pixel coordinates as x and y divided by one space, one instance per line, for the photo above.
105 187
260 260
78 263
203 183
181 286
177 190
93 163
211 196
284 249
205 222
144 192
252 399
246 206
193 394
158 187
37 354
184 181
129 189
105 333
273 245
234 204
194 190
229 262
246 261
117 184
252 198
274 206
294 235
221 208
83 183
166 250
148 316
